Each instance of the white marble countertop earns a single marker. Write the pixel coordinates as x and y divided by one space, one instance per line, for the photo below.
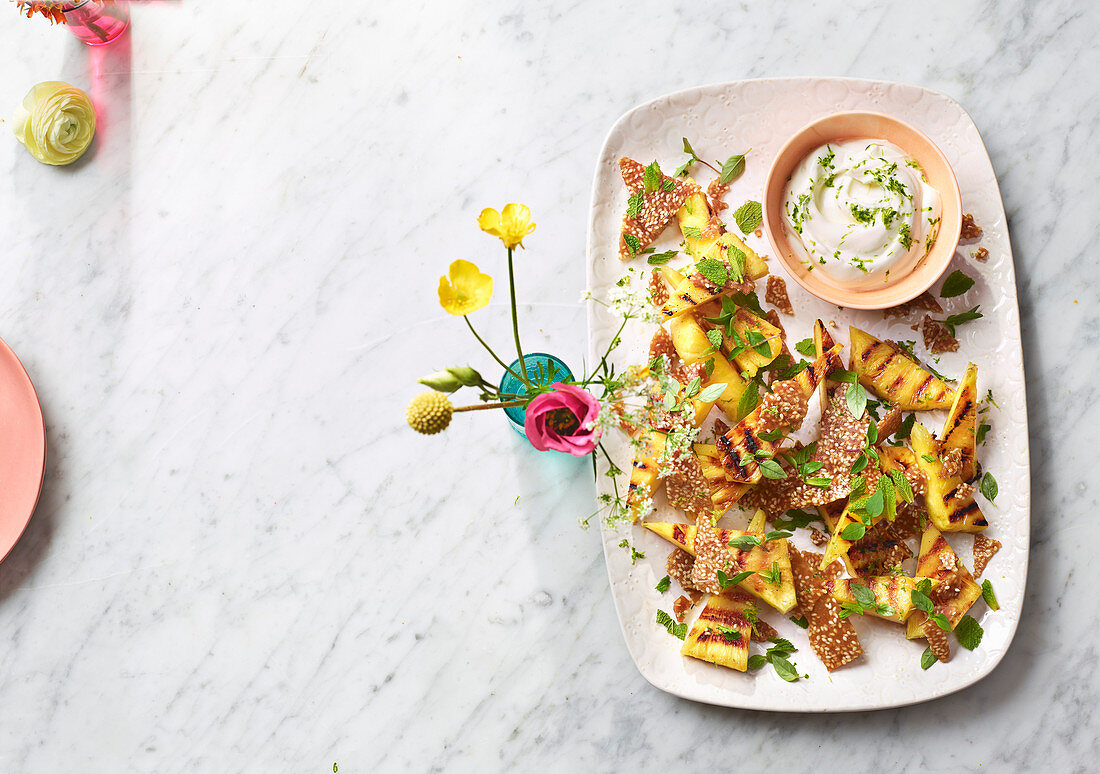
243 560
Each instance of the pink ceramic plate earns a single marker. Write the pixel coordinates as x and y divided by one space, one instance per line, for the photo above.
22 449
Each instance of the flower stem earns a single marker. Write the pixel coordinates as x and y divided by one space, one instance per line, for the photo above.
494 354
515 316
486 406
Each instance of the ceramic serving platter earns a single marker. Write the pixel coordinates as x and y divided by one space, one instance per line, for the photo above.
728 118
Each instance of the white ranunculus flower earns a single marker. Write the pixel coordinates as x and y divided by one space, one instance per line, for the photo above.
56 122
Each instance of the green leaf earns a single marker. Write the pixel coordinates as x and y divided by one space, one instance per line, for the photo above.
902 485
856 398
876 501
736 257
748 216
956 284
667 621
692 388
864 596
689 149
806 347
683 167
749 398
800 621
927 659
663 584
823 483
906 427
732 168
660 259
848 377
785 669
725 581
940 620
632 243
969 632
652 177
962 317
872 434
989 487
667 185
714 336
771 469
889 498
793 519
979 437
781 645
634 204
989 597
756 661
853 532
920 600
714 270
745 542
713 392
860 463
729 634
776 534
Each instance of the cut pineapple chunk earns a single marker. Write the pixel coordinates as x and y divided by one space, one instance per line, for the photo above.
750 361
960 430
644 480
724 493
755 266
685 297
693 346
721 633
955 591
890 374
758 522
823 342
893 591
950 501
770 562
700 230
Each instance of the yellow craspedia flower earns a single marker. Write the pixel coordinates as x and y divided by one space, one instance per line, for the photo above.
56 122
511 226
465 289
429 413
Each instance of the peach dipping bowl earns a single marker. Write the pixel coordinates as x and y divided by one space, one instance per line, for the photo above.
910 281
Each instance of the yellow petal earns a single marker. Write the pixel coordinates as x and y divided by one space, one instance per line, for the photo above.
489 220
56 122
465 289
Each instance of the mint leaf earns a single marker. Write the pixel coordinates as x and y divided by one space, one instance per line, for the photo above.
920 600
989 597
785 669
962 317
956 284
806 347
675 629
712 393
853 532
732 168
968 632
800 621
776 534
749 398
856 398
689 149
989 487
634 204
714 336
940 620
714 270
928 658
906 427
663 584
864 596
660 259
652 177
748 216
793 519
756 661
725 581
902 485
632 243
745 542
771 469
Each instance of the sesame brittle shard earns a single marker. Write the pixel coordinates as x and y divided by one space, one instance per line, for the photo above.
833 638
654 199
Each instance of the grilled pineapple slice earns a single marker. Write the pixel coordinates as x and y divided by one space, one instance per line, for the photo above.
950 501
750 361
755 266
960 430
955 592
894 591
693 346
721 633
758 522
891 374
724 493
823 342
644 480
684 298
838 547
700 230
770 561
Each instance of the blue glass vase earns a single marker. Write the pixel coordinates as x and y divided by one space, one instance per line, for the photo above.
542 370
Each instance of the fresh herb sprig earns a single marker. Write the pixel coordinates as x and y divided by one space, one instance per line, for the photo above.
776 655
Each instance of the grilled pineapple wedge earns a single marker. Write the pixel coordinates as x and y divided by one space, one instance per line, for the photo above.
750 361
724 493
644 480
838 546
770 561
889 373
893 591
684 298
950 501
721 633
823 342
693 346
703 231
960 430
954 590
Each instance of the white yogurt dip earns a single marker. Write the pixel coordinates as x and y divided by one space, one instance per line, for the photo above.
858 210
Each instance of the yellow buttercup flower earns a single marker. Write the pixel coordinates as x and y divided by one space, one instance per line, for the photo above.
465 289
56 122
511 226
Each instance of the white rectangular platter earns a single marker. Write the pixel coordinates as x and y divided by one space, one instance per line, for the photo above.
728 118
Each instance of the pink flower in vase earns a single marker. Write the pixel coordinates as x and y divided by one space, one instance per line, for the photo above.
563 420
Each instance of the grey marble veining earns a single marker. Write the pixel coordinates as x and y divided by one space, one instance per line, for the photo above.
244 561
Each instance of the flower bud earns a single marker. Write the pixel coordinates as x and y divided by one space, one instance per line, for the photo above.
468 376
442 381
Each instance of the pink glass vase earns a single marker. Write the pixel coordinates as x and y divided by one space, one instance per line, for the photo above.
96 22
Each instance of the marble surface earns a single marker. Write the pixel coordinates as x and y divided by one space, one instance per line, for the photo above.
244 561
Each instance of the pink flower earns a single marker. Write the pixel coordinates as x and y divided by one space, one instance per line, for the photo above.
561 420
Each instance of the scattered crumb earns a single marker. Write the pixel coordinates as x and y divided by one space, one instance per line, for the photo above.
818 538
981 254
680 608
715 192
984 549
970 230
936 336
